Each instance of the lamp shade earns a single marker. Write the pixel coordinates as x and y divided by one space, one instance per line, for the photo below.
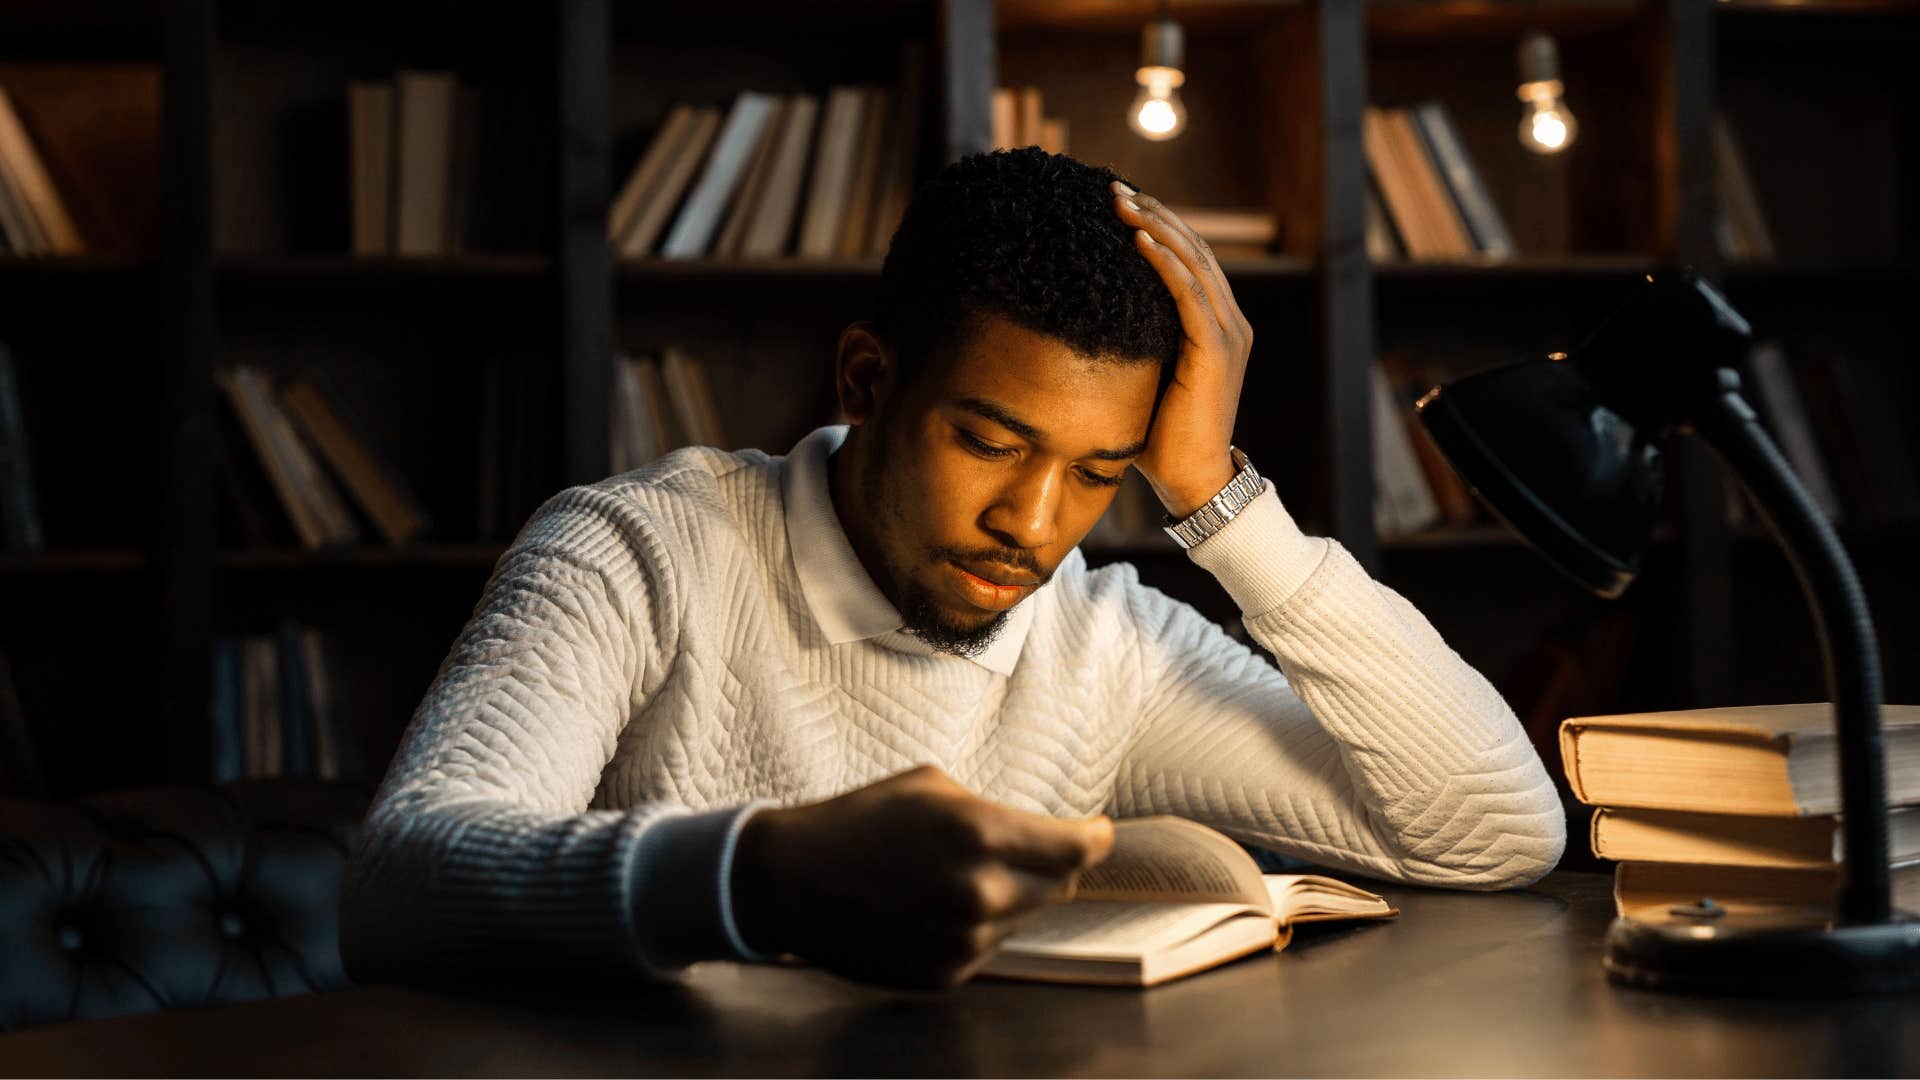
1579 481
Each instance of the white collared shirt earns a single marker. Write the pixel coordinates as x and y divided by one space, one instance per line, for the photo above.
841 595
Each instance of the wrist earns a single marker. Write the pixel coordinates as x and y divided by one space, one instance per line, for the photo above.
1190 491
755 883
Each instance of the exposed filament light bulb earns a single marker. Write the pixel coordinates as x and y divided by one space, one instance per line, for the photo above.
1157 112
1547 126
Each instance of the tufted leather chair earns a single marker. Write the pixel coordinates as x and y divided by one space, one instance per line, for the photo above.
171 897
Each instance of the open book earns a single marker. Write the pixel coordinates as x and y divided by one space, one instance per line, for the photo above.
1174 898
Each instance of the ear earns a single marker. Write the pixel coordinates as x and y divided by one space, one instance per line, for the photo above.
863 371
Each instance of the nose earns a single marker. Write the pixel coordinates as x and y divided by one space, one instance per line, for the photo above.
1025 512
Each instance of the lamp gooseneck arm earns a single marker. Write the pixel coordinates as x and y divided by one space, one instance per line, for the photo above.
1845 630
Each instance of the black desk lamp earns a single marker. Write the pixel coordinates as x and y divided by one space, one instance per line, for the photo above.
1567 451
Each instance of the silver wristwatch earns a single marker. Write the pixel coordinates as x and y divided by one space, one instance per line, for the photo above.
1214 514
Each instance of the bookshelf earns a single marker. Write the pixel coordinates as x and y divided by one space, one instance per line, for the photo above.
260 275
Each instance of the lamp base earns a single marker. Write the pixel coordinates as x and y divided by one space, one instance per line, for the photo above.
1755 954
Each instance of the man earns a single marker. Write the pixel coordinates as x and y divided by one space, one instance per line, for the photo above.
867 705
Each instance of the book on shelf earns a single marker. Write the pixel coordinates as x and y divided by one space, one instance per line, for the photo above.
1383 243
423 118
687 148
1650 890
1764 760
437 166
1461 180
322 416
320 517
35 219
1231 230
691 395
858 216
1740 227
20 525
513 443
276 709
1409 379
770 225
1174 898
753 186
644 427
1632 834
1019 119
1430 192
832 178
1403 502
699 218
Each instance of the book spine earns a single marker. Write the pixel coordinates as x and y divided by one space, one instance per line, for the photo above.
692 232
296 717
1462 180
229 735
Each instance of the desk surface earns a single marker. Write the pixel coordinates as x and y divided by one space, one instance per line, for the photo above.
1461 984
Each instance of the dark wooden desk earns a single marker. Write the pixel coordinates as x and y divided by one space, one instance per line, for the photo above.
1462 984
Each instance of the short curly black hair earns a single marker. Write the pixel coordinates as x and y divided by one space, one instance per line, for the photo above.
1030 237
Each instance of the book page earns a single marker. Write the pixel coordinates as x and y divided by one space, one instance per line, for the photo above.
1118 929
1303 895
1170 858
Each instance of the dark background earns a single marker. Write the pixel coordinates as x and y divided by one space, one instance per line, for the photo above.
208 165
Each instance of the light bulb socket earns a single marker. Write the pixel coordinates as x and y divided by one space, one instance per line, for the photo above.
1163 44
1539 58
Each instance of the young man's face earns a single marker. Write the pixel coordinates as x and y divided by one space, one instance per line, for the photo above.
980 475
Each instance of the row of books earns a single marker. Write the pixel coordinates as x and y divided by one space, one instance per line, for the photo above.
20 527
660 404
1738 805
33 218
1414 488
292 429
1842 432
778 175
1019 119
278 709
1428 200
430 170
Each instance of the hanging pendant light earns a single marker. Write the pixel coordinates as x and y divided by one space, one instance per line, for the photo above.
1547 126
1157 113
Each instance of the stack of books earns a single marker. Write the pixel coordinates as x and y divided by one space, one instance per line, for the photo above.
1739 805
777 175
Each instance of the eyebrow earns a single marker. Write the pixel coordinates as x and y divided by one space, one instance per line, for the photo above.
999 414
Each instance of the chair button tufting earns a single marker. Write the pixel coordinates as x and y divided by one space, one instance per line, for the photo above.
71 938
232 925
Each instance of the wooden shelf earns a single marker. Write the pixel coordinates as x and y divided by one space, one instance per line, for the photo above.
424 556
1548 269
73 561
91 268
1127 16
1497 18
363 270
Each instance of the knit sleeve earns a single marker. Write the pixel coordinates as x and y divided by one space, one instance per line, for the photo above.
479 855
1375 748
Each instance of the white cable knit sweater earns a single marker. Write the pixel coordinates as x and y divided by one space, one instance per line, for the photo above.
643 666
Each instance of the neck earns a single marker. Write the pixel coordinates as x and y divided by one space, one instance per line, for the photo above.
846 488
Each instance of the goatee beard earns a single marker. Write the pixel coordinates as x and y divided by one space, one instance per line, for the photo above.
924 620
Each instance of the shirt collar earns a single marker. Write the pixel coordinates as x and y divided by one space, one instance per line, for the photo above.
844 600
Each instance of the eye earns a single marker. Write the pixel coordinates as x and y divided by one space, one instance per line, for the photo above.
1100 479
982 447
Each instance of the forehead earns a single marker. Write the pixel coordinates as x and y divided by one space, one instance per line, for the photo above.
1042 379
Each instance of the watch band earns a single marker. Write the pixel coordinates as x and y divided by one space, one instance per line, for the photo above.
1213 515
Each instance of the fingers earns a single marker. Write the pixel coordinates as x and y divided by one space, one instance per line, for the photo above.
1202 271
1046 844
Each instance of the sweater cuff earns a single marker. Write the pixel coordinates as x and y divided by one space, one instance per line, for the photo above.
683 875
1261 557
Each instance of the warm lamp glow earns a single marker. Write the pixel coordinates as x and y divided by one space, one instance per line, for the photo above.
1547 126
1157 112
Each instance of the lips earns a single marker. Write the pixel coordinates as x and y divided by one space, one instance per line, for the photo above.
999 576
